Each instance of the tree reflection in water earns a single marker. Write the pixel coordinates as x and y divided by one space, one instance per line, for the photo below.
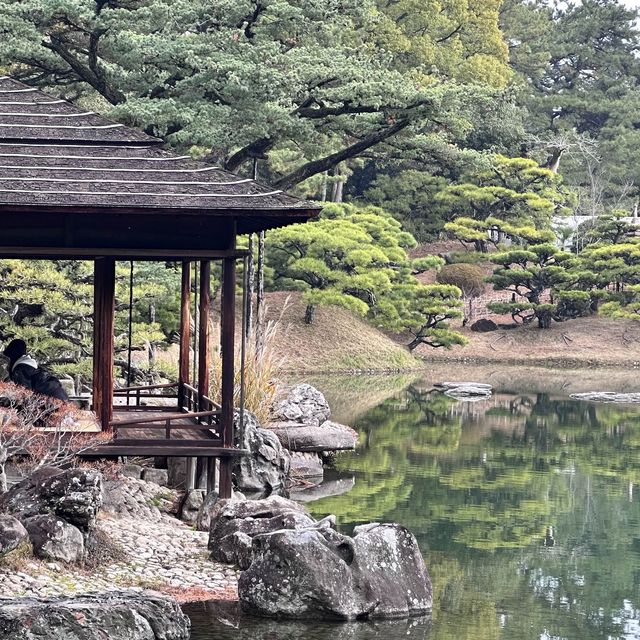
483 484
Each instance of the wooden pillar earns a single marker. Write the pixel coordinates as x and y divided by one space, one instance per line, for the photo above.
185 331
204 348
227 339
103 325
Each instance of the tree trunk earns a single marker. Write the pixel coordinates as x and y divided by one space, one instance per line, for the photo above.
3 470
260 328
310 314
544 319
336 191
416 342
324 186
152 347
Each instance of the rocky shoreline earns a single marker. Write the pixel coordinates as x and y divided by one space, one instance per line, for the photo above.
109 550
150 550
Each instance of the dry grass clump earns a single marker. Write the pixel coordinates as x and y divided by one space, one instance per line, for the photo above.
16 560
262 372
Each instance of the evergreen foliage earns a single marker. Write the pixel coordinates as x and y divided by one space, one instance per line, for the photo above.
50 305
312 82
357 258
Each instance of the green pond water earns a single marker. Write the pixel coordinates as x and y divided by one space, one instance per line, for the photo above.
526 507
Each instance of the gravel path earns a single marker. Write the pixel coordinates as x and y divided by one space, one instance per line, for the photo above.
158 552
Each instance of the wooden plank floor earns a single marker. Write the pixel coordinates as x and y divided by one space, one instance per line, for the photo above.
157 432
188 437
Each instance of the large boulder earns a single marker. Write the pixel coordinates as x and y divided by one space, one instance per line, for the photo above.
237 522
319 573
303 404
157 476
466 390
74 495
12 534
212 506
266 468
191 504
55 539
117 616
329 436
607 396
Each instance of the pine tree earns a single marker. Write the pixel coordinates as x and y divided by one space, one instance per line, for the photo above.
312 83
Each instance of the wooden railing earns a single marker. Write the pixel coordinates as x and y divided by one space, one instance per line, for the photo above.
191 401
145 392
202 421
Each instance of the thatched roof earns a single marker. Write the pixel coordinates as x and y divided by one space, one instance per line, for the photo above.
58 157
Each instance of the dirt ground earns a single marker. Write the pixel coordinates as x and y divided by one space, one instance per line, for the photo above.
584 342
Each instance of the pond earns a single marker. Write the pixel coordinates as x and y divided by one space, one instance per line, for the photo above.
526 507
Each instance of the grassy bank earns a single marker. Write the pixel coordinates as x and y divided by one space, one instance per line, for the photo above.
336 341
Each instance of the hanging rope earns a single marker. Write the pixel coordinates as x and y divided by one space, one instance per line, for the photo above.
130 332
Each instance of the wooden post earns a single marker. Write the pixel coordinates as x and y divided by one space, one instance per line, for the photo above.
103 323
204 350
228 375
185 332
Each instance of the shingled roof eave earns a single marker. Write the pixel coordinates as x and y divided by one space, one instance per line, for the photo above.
253 202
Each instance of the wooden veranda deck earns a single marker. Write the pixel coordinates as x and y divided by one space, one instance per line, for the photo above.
186 426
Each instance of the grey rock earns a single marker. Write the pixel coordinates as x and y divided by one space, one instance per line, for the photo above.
307 466
242 547
117 616
329 436
319 573
128 497
484 325
74 495
266 468
177 473
203 518
158 476
466 390
250 518
131 471
303 404
191 505
607 396
12 534
329 487
54 539
212 507
69 386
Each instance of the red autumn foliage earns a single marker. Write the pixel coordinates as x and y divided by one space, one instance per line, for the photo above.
40 429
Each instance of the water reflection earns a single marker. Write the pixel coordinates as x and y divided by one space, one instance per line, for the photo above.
525 506
229 624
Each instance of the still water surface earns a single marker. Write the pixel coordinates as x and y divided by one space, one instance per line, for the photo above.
526 508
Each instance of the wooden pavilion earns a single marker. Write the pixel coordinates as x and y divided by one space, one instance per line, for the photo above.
74 185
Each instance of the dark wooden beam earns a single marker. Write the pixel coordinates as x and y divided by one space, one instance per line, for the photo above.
171 449
103 325
204 348
185 331
227 340
45 253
